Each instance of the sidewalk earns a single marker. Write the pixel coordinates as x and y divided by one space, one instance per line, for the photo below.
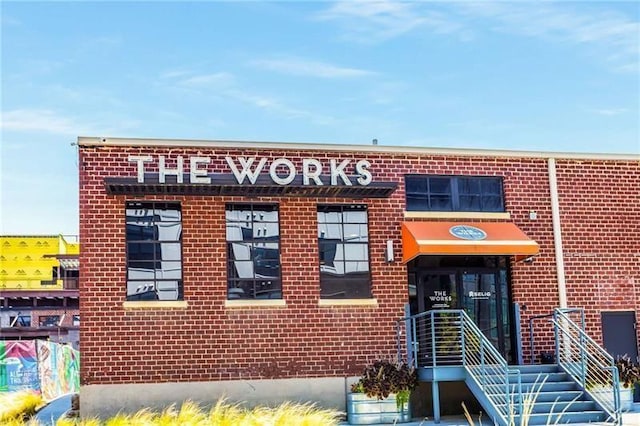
54 410
628 419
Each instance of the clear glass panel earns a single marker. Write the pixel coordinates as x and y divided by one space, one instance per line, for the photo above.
237 232
440 185
142 251
141 270
469 186
168 290
266 251
356 251
351 267
141 290
415 185
268 289
169 231
441 203
139 213
330 231
329 216
492 203
170 251
470 203
267 269
355 216
241 290
492 186
169 270
328 253
140 231
167 213
238 214
241 269
239 251
265 214
356 233
417 203
265 230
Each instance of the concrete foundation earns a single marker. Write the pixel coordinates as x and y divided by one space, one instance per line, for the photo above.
103 401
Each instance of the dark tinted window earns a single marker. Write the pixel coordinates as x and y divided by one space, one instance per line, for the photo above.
343 245
154 251
454 193
253 251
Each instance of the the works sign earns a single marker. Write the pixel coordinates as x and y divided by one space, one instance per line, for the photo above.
248 169
252 176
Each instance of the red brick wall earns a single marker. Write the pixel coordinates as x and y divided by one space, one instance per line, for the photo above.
207 341
600 214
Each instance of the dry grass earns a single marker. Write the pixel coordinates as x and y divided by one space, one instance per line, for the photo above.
221 414
16 406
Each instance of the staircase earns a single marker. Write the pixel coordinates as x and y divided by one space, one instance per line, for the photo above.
446 345
550 396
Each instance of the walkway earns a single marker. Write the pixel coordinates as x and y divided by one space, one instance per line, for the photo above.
54 410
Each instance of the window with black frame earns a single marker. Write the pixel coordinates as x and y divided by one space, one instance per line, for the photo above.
253 251
343 241
48 320
154 251
454 193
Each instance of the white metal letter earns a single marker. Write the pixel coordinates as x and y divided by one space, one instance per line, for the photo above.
274 175
339 171
177 172
197 175
307 174
140 160
246 171
365 175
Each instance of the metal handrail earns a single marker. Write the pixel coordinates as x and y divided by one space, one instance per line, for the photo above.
587 363
450 337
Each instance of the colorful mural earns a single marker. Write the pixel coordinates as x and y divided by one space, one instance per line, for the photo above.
50 368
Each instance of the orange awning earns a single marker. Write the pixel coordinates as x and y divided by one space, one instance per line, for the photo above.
464 238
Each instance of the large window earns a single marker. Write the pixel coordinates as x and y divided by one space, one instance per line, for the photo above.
253 251
154 251
454 193
20 321
48 320
343 239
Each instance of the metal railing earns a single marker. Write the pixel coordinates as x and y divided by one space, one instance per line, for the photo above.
442 338
587 362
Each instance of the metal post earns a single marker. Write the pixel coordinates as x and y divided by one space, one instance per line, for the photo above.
433 340
435 391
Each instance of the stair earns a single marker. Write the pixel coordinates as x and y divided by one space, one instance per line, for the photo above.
559 399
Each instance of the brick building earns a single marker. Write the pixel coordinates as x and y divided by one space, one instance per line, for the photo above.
273 271
39 288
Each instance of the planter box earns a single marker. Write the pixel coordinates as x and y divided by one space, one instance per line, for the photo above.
363 410
626 397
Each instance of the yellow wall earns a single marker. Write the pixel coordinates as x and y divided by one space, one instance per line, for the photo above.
23 265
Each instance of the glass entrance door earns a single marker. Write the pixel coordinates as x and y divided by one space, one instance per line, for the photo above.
482 293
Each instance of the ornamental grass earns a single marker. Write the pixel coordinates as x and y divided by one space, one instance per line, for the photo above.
15 407
221 414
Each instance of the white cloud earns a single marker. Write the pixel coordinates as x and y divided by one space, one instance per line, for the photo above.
374 21
39 120
215 80
310 68
609 111
49 121
224 85
615 35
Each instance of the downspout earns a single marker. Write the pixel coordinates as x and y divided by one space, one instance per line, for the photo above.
557 233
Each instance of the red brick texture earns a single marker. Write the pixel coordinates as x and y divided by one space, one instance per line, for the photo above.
208 342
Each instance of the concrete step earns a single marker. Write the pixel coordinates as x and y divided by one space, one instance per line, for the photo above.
566 418
533 387
560 407
537 368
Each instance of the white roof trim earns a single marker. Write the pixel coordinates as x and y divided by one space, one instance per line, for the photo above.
87 141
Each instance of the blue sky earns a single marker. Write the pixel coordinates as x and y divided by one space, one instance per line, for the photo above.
505 75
